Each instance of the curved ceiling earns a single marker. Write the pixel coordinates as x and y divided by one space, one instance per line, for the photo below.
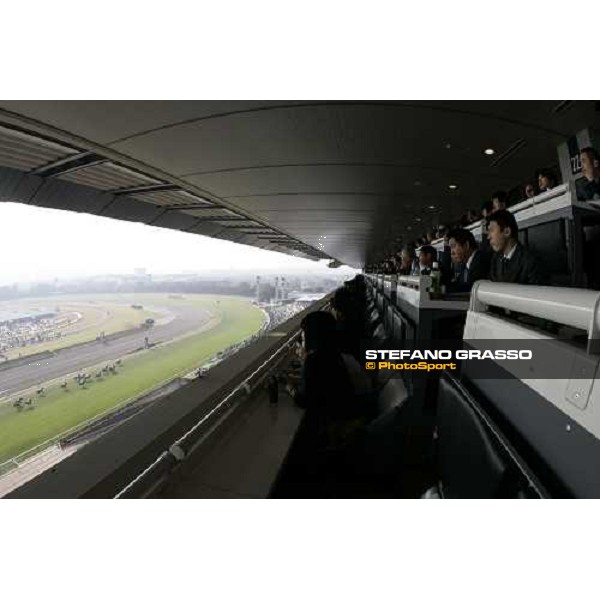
318 179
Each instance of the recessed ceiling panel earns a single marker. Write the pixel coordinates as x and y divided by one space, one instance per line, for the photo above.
20 150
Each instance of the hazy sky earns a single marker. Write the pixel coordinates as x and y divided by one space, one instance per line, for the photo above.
42 243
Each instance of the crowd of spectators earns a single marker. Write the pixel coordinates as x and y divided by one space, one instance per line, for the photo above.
499 256
329 457
24 332
280 313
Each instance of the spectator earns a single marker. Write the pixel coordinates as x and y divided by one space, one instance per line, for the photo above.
546 180
336 394
471 264
407 257
590 168
530 190
498 201
472 216
512 262
486 209
442 231
331 380
427 256
349 326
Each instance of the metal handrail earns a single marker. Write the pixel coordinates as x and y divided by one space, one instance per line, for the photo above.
575 307
155 474
555 192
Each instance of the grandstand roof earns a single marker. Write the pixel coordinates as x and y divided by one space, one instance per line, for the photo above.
319 179
10 316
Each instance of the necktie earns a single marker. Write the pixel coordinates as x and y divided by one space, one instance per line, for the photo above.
503 265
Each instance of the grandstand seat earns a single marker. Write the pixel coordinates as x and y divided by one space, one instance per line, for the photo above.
398 333
391 396
370 306
556 437
469 464
388 320
380 338
396 458
373 320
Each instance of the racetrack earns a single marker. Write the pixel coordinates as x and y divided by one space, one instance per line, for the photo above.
186 319
79 319
202 326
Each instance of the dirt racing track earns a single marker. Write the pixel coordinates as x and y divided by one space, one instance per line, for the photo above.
184 319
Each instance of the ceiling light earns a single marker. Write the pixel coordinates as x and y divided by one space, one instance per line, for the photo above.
489 151
452 186
432 206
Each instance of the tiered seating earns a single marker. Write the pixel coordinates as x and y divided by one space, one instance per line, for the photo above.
489 438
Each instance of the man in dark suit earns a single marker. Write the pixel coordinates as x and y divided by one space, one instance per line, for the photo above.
470 264
512 262
427 256
589 187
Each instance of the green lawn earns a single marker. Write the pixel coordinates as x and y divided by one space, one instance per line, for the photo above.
234 320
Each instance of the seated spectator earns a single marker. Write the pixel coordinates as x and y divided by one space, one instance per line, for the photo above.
529 190
498 201
464 220
470 263
546 180
337 396
427 256
486 209
590 168
511 262
407 257
331 381
444 257
346 311
472 216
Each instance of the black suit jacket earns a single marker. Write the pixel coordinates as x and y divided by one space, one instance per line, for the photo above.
479 269
522 267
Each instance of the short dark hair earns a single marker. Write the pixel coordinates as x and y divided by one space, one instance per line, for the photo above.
504 219
591 152
500 195
343 300
462 237
430 250
487 205
320 331
548 173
